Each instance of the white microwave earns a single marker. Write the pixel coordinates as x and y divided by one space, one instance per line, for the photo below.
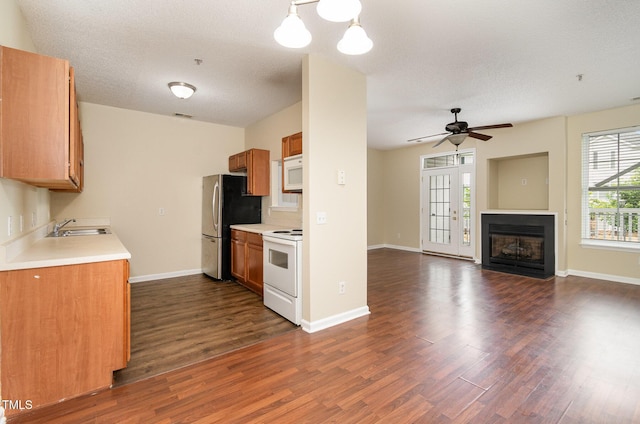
292 173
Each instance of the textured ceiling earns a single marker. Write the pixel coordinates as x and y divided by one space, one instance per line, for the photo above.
499 60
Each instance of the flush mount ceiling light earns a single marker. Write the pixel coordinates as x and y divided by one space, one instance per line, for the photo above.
182 90
292 32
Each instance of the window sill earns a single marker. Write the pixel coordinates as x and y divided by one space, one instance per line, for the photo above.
610 245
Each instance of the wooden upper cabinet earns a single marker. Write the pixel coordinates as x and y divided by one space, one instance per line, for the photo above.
238 162
255 162
292 145
40 132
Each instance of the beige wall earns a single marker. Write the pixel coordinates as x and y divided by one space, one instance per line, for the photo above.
553 144
375 198
590 261
520 182
137 163
545 136
18 199
401 183
334 123
267 134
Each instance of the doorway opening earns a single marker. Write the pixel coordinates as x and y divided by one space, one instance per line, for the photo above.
447 218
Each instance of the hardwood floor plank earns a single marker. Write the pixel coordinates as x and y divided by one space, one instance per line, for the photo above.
446 342
184 320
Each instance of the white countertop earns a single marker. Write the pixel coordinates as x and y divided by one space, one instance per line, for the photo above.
57 251
258 228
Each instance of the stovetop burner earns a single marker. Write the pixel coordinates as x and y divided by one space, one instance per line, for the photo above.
288 234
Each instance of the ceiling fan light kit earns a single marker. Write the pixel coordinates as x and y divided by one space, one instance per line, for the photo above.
292 33
458 131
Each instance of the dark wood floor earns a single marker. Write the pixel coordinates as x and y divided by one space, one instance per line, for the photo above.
184 320
445 343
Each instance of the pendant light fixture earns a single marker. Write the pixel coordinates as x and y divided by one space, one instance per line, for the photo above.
292 32
339 10
182 90
355 40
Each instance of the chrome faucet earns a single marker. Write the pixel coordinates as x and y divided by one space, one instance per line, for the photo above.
58 225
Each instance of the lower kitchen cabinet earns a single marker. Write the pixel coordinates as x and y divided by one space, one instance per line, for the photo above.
64 330
246 259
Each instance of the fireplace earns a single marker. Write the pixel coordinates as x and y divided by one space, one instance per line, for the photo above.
519 244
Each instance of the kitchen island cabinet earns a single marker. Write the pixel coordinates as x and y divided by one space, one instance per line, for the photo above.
246 259
40 140
64 330
255 162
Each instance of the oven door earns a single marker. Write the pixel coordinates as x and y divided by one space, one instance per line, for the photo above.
281 264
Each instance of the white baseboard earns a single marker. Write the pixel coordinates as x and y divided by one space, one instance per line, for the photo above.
608 277
312 327
162 276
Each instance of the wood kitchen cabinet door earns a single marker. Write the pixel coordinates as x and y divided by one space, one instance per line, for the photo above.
238 256
292 145
254 263
255 162
238 162
258 175
62 330
246 259
38 137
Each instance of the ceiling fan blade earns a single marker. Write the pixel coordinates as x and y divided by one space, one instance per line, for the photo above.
419 139
490 127
479 136
441 141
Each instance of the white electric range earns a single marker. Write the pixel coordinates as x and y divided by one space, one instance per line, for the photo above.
282 275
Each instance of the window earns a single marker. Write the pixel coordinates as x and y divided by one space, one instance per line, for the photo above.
611 186
280 200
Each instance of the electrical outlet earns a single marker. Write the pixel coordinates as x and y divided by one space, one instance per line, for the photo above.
321 217
342 287
161 211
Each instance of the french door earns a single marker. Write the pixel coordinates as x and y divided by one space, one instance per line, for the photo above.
447 218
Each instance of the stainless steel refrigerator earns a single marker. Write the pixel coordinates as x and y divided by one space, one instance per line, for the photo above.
224 202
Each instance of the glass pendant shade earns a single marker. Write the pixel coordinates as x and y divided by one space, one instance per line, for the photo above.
182 90
355 40
457 139
339 10
292 33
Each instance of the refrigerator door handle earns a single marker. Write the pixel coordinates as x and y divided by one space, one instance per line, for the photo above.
215 206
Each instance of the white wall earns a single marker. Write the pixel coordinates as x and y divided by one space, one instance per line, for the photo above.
136 163
334 124
18 199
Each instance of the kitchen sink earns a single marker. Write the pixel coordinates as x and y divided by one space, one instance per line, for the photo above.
80 232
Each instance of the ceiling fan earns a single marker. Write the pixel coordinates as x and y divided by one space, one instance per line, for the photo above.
457 131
